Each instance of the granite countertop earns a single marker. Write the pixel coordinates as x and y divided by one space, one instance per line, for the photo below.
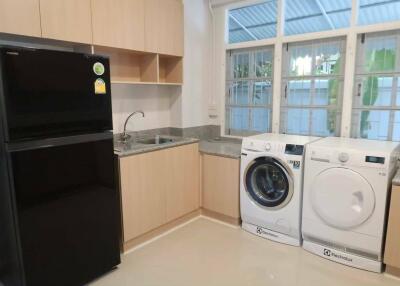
133 147
396 179
225 147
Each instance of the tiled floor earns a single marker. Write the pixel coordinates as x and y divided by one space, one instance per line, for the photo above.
208 253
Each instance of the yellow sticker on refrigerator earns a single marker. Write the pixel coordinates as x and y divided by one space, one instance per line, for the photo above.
100 86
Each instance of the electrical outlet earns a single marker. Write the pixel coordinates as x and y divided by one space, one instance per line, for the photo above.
212 111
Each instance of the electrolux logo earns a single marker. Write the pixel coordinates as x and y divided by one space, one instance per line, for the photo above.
330 253
261 231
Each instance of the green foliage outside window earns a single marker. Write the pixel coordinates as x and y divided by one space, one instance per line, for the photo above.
377 61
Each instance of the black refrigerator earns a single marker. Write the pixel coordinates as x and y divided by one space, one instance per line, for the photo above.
60 218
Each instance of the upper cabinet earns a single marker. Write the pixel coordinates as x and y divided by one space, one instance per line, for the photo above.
118 23
67 20
21 17
164 27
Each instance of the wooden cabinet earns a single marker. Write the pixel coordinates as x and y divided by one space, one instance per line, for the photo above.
392 249
118 23
184 192
164 27
158 187
220 185
67 20
143 181
21 17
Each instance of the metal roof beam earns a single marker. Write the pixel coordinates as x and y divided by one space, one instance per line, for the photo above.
243 27
322 9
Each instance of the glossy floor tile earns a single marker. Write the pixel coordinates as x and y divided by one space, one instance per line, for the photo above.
205 252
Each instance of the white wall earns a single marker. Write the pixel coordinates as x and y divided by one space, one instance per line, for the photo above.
197 91
153 100
181 107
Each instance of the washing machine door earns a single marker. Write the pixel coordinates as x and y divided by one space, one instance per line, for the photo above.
342 198
268 183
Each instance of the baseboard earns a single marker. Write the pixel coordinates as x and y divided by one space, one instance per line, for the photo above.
166 228
129 245
394 271
221 217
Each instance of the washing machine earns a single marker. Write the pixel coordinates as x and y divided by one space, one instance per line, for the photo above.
271 186
346 189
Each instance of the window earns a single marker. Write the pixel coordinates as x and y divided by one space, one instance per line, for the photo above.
378 11
249 86
312 88
251 23
376 103
316 15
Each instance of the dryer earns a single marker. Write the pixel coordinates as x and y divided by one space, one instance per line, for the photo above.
271 186
346 186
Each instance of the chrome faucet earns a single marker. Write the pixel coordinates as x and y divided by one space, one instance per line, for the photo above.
124 137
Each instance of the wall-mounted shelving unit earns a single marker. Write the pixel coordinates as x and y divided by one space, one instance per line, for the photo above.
131 67
170 69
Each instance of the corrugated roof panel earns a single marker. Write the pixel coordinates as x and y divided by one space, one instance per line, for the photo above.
264 32
335 5
239 36
307 25
296 9
306 16
259 19
341 20
378 11
233 25
256 14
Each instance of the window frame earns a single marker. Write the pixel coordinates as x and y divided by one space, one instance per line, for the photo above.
313 77
251 80
351 33
361 75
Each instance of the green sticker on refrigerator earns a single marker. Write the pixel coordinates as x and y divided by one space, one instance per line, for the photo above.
98 69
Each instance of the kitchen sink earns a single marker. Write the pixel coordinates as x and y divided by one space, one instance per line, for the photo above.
157 140
133 143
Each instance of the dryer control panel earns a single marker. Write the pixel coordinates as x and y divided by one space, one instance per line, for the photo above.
346 157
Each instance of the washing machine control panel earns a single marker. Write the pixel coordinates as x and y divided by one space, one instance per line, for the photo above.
262 146
292 149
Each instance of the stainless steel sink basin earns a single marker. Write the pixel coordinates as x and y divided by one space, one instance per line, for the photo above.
157 140
133 143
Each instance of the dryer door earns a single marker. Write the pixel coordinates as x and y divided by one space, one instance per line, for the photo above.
268 183
342 198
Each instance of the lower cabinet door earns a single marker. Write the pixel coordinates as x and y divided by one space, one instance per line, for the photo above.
184 192
144 181
158 187
220 185
392 250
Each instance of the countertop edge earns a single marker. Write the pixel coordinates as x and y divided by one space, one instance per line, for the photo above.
155 148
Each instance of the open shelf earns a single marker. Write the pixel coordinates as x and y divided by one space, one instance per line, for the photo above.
145 83
170 69
129 66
